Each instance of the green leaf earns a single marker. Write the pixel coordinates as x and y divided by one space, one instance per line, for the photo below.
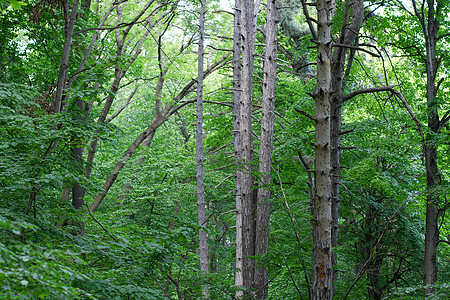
16 4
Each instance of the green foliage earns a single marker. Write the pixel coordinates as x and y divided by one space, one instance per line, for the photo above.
142 241
30 270
17 5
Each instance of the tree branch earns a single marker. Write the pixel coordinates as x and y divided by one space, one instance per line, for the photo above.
356 48
305 114
308 19
389 88
442 36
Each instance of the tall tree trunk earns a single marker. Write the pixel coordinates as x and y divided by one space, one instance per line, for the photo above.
433 178
322 220
77 152
261 277
430 28
248 35
239 279
64 65
348 37
203 242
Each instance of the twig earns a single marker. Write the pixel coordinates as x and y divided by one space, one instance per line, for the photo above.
357 48
231 175
219 168
104 229
305 114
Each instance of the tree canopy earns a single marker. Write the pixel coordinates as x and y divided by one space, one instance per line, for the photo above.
180 149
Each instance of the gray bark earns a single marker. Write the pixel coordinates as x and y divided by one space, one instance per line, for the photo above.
203 242
322 215
261 277
248 35
64 65
239 279
348 36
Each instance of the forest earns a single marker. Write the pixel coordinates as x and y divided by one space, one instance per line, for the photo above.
224 149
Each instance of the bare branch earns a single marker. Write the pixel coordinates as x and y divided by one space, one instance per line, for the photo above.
219 168
368 91
356 48
220 183
305 114
442 36
308 19
115 114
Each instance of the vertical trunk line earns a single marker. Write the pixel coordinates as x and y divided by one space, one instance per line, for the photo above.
261 277
248 35
322 218
203 242
239 279
64 66
433 178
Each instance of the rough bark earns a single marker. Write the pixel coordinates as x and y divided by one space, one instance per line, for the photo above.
239 279
322 216
203 242
348 36
248 35
430 28
261 277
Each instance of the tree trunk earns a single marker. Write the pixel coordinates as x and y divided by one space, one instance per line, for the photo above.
430 27
432 211
239 279
64 65
203 242
121 163
120 71
348 37
322 215
261 277
248 35
77 152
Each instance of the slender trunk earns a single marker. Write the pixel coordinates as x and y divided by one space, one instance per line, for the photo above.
432 211
148 140
203 242
322 217
430 28
348 36
77 152
239 279
120 71
261 277
64 66
248 35
121 163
